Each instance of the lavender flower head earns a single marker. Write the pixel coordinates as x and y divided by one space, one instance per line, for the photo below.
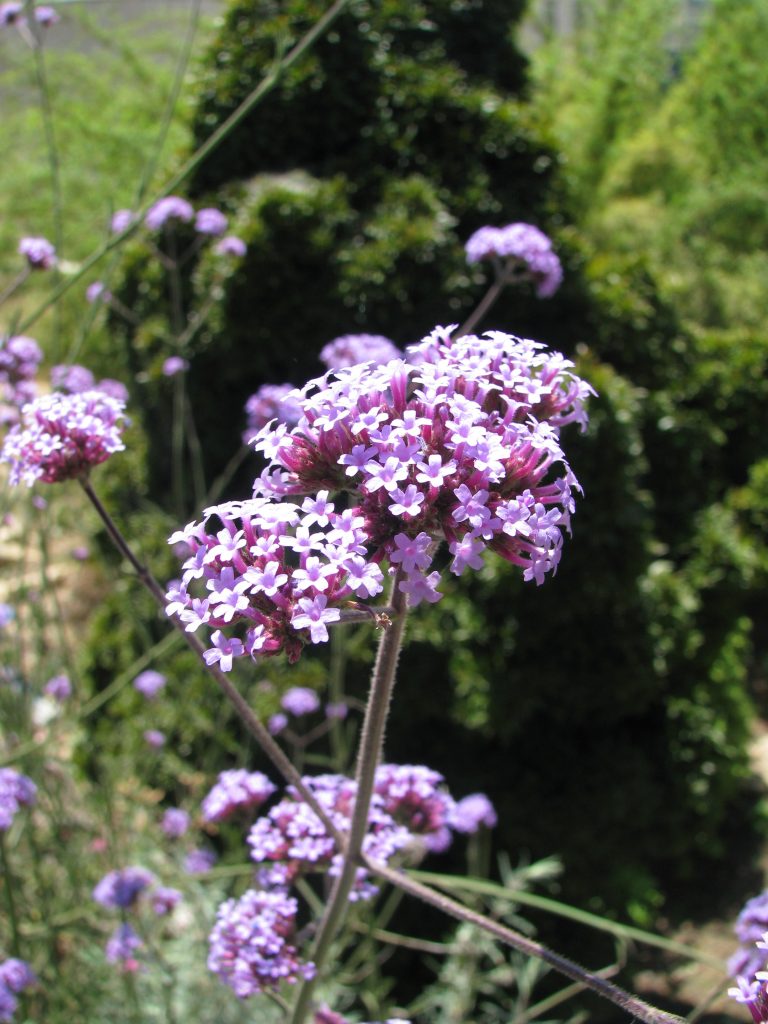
59 688
271 402
175 822
350 349
20 358
60 437
167 209
16 975
121 889
250 945
472 812
11 12
154 738
121 219
236 790
72 378
46 15
231 245
526 251
751 958
149 683
459 446
197 862
300 700
163 899
210 221
16 791
97 291
414 796
38 252
174 365
121 947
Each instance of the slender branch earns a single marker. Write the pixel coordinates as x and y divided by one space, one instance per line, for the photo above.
264 87
482 307
624 1000
369 755
254 725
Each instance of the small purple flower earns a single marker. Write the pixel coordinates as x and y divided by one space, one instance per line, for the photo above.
526 251
473 811
154 738
163 899
59 688
121 219
38 252
11 12
174 365
149 683
71 378
210 221
175 822
271 402
46 16
7 614
277 723
300 700
16 790
121 889
236 790
168 209
16 975
250 945
338 710
351 349
231 245
97 291
60 437
121 947
197 862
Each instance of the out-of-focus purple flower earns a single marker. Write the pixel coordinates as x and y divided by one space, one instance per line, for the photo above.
81 553
250 945
97 291
20 358
412 794
121 889
236 790
71 378
16 790
60 437
163 899
16 975
752 921
113 388
271 402
59 688
174 365
38 252
7 614
230 245
472 812
11 12
277 723
351 349
154 738
149 683
300 700
197 862
121 220
338 710
168 208
121 947
46 16
210 221
526 251
175 822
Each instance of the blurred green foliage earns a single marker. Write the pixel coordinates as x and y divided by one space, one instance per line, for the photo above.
607 713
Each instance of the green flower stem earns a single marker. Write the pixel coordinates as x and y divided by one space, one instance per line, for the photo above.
267 84
369 755
10 900
254 725
483 307
601 986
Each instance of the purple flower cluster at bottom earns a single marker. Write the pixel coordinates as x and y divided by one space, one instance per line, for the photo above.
15 976
16 790
250 945
749 964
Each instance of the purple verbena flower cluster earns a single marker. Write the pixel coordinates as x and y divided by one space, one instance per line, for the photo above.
175 822
20 358
16 790
59 688
121 947
210 221
121 889
460 445
15 976
749 964
38 252
271 402
300 700
351 349
72 379
250 945
230 245
60 437
149 683
236 790
525 251
412 794
169 208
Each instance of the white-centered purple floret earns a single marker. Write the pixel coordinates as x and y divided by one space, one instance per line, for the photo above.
251 944
384 463
523 250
